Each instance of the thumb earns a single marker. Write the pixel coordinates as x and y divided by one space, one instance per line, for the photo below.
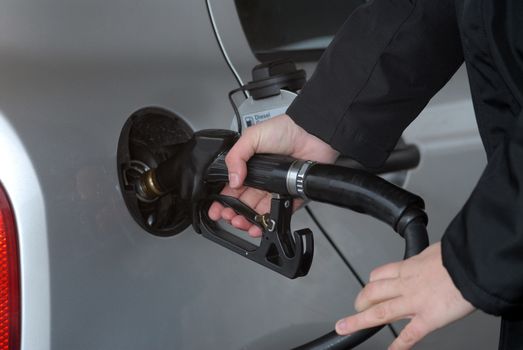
240 153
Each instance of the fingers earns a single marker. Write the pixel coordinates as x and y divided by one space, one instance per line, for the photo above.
391 270
276 135
387 312
215 211
243 224
238 156
256 199
376 292
255 231
218 211
240 222
380 314
418 288
410 335
260 202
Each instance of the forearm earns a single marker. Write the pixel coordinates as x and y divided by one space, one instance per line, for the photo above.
383 66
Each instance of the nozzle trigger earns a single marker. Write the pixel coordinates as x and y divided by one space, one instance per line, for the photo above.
287 253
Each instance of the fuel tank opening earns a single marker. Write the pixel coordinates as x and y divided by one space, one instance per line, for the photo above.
150 136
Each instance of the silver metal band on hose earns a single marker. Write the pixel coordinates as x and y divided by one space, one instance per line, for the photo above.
296 177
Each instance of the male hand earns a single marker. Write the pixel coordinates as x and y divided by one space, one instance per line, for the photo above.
418 288
279 135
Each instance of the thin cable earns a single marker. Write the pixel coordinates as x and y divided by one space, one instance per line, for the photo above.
235 108
229 64
342 256
221 46
331 242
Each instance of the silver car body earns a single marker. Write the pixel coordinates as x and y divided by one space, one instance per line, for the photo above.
71 73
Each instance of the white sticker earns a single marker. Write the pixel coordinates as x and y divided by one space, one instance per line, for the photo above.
255 118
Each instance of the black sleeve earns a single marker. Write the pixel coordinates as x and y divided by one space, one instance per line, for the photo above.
381 69
483 246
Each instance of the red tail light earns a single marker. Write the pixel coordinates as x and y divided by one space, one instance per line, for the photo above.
9 278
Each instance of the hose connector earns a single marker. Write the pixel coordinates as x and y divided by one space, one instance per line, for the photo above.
296 177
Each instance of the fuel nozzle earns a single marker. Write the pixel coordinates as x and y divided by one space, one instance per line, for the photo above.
197 172
184 173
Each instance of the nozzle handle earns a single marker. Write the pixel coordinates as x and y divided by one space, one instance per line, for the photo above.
266 172
353 189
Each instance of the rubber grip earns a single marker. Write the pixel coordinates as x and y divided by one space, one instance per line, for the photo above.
267 172
360 191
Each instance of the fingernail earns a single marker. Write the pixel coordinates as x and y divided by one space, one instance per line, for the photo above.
340 326
234 180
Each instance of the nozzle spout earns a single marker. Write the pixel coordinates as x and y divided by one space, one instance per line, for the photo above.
184 173
147 187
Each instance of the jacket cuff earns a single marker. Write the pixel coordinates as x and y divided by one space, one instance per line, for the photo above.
351 139
470 290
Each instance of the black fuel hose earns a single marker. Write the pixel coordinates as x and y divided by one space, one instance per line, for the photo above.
362 192
350 188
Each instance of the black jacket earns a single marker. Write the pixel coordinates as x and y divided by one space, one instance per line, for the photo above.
389 58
